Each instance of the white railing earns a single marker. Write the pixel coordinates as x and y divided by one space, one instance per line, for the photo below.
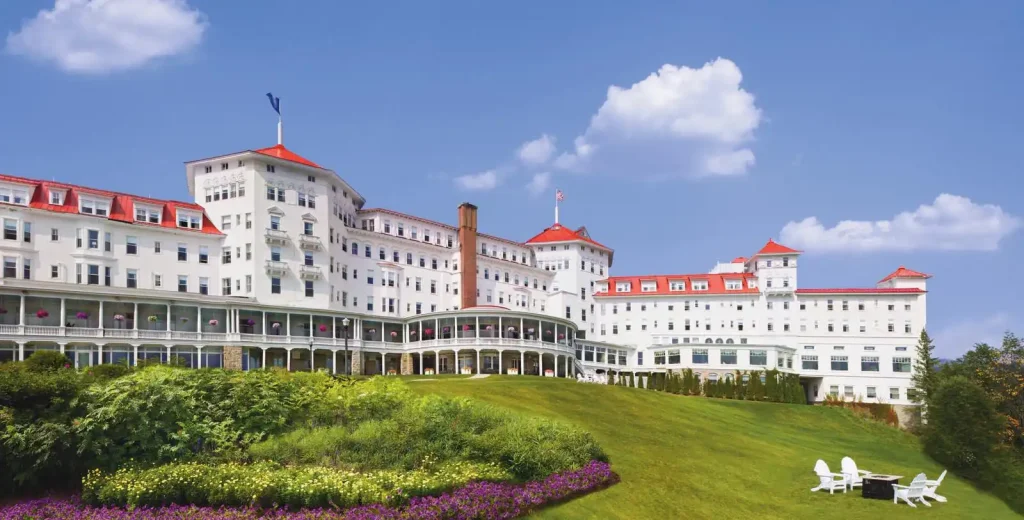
82 332
40 330
119 333
155 334
181 334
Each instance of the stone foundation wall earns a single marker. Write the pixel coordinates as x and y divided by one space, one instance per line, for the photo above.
407 366
233 358
357 362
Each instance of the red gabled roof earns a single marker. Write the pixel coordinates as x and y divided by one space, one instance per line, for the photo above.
716 284
278 151
903 272
861 290
739 260
775 248
121 204
560 233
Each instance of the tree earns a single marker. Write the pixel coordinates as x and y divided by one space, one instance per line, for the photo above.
925 374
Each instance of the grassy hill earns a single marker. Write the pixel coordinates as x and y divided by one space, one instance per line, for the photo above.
691 457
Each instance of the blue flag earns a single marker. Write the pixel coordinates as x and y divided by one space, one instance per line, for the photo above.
275 102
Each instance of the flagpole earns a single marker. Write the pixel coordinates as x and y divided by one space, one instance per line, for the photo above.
280 125
556 207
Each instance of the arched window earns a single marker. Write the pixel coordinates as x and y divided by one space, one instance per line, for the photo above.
729 341
762 378
728 378
713 377
718 341
746 378
708 341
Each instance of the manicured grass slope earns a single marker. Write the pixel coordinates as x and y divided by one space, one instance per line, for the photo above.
691 457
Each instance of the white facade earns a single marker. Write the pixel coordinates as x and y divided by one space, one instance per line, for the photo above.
276 252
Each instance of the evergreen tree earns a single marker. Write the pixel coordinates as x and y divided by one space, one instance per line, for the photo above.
631 380
925 375
752 381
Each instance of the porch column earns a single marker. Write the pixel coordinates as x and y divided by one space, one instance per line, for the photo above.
437 362
101 314
63 312
334 361
383 356
567 365
478 367
62 345
540 361
310 329
264 357
501 330
458 370
99 349
437 333
135 317
522 362
135 354
501 353
168 327
522 336
334 327
477 331
21 312
199 357
199 319
288 359
21 346
421 363
288 328
168 351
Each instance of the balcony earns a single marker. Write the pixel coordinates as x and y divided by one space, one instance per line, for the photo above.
277 236
777 290
310 243
276 268
310 272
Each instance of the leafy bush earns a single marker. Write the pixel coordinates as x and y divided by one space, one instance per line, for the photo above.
46 361
107 372
267 484
963 427
421 430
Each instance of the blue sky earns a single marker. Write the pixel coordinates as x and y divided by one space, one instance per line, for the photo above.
840 111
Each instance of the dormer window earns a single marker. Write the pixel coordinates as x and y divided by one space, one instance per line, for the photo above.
56 197
96 207
677 285
733 285
700 285
190 219
623 287
648 286
149 214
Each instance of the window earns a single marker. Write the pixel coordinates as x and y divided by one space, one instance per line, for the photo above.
56 197
659 357
54 271
248 283
307 229
54 234
10 229
848 392
809 362
158 281
225 255
700 356
26 231
147 214
673 357
894 393
106 242
96 207
892 327
182 253
225 222
309 288
93 275
156 247
225 286
190 220
871 394
759 358
828 304
131 246
728 357
275 286
840 363
308 258
901 365
26 269
869 364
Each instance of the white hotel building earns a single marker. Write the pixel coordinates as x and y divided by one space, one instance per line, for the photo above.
279 263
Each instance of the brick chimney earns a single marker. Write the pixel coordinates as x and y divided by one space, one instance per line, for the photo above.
467 254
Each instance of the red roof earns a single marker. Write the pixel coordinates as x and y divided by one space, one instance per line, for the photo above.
739 260
560 233
716 285
775 248
122 205
903 272
861 290
280 152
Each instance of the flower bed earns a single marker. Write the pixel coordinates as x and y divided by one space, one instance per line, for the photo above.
481 500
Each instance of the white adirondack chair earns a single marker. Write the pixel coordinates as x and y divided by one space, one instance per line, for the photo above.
915 491
828 480
854 477
931 485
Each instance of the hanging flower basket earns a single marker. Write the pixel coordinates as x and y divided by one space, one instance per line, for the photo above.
275 325
372 331
323 328
119 317
394 334
530 330
446 330
511 329
428 331
3 310
465 328
152 318
412 332
184 320
547 332
250 322
213 323
561 336
42 313
489 327
80 315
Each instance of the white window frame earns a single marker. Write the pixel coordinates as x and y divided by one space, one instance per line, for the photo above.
94 205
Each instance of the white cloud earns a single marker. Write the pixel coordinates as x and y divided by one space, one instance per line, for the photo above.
539 183
678 121
953 340
951 223
98 36
483 181
538 151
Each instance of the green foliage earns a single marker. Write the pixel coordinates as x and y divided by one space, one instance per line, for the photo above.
267 484
963 427
107 372
46 361
924 377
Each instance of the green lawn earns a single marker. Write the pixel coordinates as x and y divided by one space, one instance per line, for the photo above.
691 457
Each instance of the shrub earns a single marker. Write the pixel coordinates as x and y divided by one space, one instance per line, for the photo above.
963 427
46 361
267 484
107 372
